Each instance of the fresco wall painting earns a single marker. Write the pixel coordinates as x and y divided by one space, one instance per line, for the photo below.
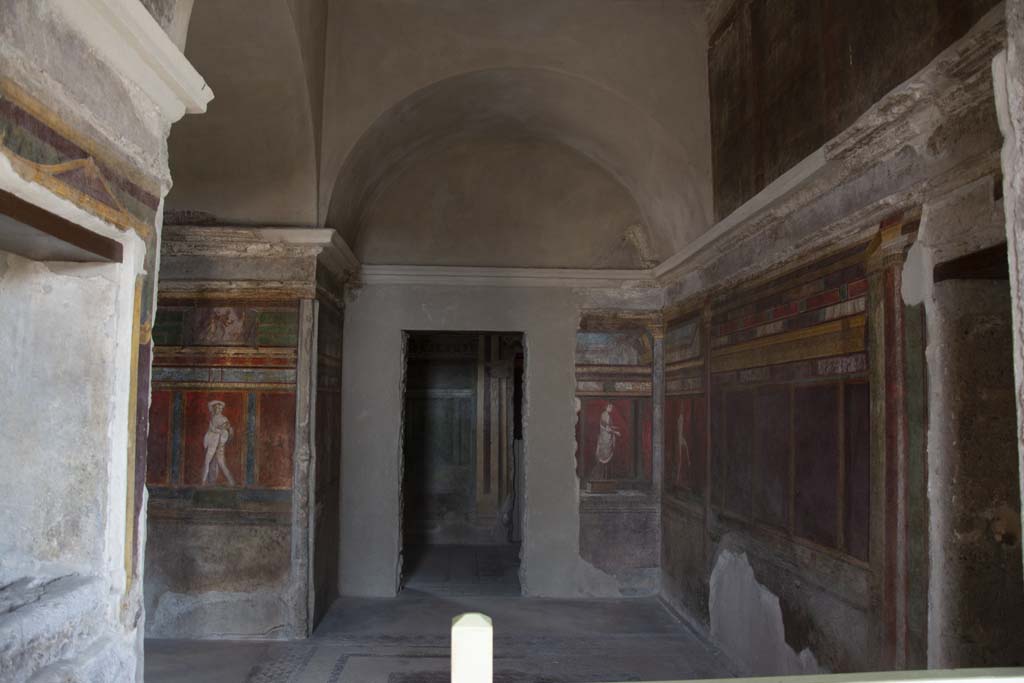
685 410
223 409
790 408
619 514
767 436
614 425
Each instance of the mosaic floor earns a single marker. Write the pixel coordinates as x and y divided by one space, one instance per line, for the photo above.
405 640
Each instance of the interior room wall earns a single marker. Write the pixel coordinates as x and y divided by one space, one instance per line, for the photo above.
372 399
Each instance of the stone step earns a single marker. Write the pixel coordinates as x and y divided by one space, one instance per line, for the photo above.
106 660
45 620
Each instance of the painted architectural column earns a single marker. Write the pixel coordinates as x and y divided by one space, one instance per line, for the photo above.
658 409
890 462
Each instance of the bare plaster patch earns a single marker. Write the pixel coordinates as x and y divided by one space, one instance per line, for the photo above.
746 620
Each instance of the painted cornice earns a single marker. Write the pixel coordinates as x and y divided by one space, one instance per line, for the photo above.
248 242
130 40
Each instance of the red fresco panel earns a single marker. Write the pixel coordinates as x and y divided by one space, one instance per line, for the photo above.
275 440
856 288
771 487
158 451
858 469
684 444
825 299
738 451
622 463
816 439
198 414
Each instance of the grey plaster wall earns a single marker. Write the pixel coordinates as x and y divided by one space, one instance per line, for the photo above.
371 428
976 587
59 326
251 159
487 202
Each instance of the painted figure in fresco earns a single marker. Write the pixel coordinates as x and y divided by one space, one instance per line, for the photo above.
606 441
682 451
217 436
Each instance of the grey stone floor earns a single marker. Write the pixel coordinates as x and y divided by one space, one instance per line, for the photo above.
462 569
406 640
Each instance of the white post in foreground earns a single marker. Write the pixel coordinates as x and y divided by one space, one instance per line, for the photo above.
472 648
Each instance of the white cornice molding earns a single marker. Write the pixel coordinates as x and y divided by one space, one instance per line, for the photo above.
130 40
466 276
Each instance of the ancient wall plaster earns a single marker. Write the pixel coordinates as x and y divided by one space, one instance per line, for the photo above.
746 620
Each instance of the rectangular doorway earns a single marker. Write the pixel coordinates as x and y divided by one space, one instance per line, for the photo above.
462 456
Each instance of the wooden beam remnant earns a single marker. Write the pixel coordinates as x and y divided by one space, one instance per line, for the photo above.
34 233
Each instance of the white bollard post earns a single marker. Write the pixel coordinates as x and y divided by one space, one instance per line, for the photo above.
472 648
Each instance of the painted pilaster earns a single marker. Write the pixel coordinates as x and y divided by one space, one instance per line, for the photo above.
889 480
303 464
658 409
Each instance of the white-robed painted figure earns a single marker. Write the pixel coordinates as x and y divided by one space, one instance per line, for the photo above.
218 433
606 441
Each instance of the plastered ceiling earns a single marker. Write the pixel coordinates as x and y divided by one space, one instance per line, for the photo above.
546 133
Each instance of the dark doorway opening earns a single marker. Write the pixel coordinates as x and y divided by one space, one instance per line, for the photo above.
462 462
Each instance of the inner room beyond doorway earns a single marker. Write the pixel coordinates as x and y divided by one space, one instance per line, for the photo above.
462 455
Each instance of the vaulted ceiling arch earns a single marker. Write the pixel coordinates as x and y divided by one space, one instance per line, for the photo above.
254 157
596 123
